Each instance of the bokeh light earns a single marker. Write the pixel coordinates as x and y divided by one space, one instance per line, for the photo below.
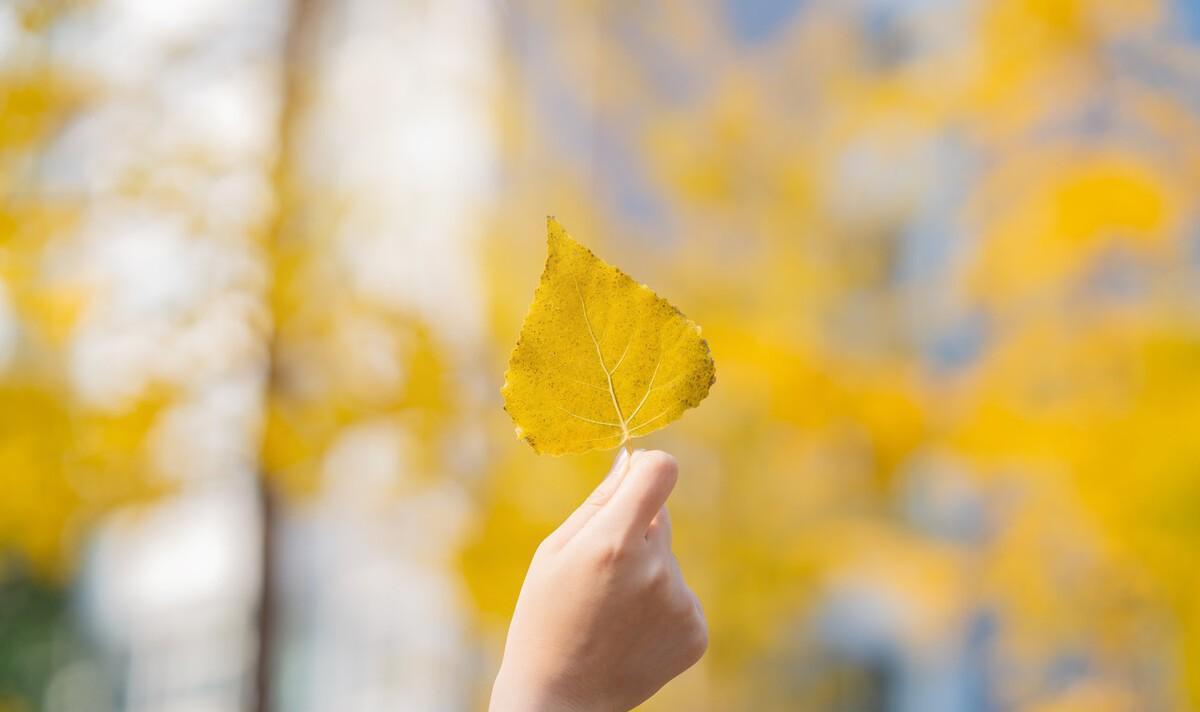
261 265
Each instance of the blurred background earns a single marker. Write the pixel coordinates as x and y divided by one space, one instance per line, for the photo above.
261 265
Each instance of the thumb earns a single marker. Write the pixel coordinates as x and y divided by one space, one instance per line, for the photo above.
644 491
595 501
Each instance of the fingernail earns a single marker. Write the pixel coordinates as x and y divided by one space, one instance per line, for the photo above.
618 464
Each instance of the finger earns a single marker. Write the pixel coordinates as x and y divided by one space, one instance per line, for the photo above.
642 494
659 531
595 501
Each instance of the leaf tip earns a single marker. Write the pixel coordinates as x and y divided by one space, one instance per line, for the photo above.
555 233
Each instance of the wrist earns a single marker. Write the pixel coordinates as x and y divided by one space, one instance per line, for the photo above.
517 693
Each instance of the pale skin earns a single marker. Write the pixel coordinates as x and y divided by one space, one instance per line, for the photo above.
604 618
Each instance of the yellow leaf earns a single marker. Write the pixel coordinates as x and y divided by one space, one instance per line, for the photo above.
601 359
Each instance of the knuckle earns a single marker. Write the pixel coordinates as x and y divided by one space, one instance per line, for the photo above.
658 578
685 610
611 554
696 627
693 641
697 644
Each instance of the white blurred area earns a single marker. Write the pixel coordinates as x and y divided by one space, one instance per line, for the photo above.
397 133
173 157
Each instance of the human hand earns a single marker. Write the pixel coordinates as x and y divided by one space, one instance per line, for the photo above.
604 618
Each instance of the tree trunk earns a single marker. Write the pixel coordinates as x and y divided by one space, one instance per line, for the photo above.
268 603
296 51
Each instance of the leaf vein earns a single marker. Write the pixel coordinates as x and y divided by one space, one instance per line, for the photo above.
612 392
622 358
590 420
649 390
582 382
651 420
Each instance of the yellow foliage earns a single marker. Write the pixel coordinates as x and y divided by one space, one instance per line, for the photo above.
336 364
1054 215
1018 159
61 465
786 185
60 468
